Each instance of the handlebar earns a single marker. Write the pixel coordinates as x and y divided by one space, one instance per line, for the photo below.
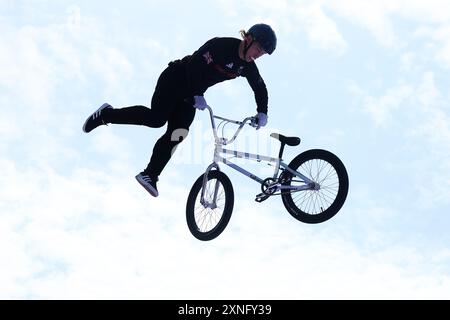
252 121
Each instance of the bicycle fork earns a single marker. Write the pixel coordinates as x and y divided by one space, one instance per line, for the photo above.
207 204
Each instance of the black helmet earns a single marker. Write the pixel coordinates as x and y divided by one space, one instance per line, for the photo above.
266 37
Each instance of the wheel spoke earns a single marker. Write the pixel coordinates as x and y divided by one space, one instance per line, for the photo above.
316 201
208 218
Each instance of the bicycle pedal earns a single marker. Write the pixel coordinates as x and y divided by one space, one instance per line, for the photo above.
261 197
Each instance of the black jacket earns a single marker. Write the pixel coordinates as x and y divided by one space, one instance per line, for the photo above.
218 60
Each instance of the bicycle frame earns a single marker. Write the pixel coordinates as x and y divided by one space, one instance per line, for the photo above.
221 141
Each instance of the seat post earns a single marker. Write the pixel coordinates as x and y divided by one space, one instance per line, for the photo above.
280 154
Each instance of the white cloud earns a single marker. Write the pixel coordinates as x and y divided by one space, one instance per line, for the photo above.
321 30
434 129
27 72
408 61
377 17
431 18
372 15
432 11
435 123
290 20
419 113
381 109
439 41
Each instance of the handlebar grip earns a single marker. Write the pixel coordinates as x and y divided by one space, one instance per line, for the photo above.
253 122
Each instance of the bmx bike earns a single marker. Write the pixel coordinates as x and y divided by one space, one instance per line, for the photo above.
313 186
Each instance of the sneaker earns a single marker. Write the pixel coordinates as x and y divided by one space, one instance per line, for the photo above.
95 119
148 183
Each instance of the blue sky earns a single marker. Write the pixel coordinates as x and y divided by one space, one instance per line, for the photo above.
366 80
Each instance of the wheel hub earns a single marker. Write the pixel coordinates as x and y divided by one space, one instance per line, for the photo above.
315 186
207 204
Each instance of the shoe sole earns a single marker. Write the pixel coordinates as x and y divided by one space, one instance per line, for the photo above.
149 189
104 106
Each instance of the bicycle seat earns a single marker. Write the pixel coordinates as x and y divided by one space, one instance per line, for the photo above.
290 141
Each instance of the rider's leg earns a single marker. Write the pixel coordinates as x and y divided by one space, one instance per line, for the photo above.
178 127
165 98
137 115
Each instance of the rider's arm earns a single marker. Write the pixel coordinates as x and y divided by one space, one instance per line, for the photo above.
258 86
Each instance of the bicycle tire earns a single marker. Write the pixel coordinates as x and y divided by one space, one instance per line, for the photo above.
193 203
310 198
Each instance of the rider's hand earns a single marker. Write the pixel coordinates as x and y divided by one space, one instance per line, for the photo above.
261 120
200 102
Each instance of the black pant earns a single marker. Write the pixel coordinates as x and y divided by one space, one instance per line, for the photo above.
168 106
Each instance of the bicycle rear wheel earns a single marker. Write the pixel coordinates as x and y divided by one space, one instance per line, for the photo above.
325 169
207 221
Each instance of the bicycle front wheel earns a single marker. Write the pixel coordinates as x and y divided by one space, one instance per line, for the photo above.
319 204
209 219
